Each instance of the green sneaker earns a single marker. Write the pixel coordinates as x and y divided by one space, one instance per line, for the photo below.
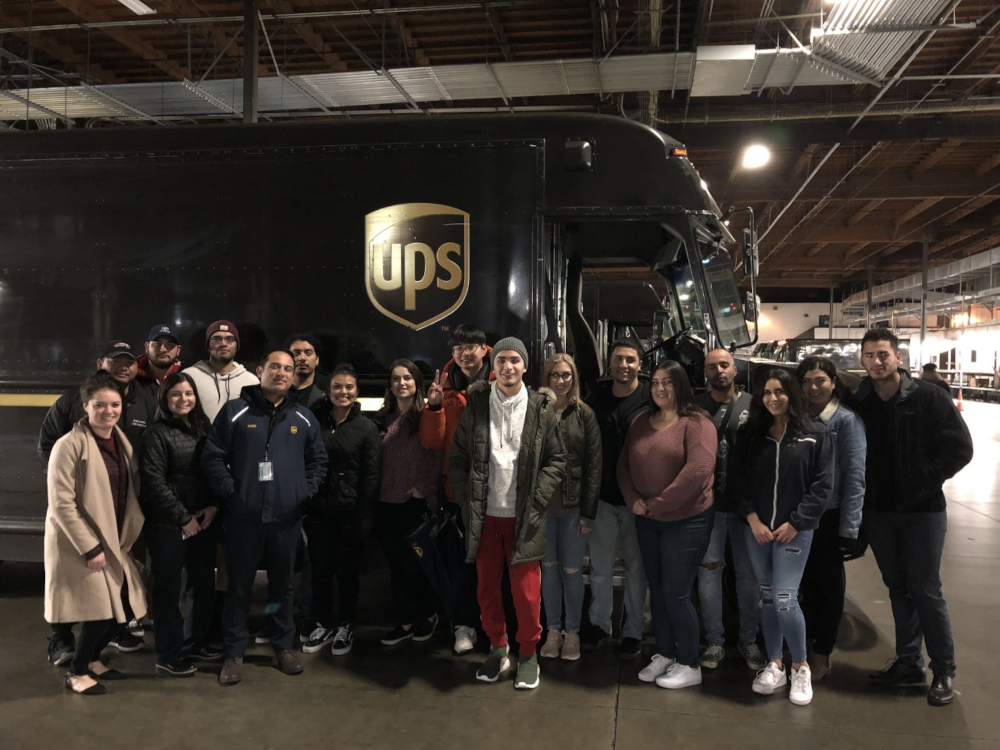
495 665
527 673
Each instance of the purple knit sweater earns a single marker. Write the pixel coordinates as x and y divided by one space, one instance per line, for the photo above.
407 463
672 469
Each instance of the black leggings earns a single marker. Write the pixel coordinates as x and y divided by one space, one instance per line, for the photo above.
823 585
94 637
412 596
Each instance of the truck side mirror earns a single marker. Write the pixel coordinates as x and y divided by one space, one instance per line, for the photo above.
751 262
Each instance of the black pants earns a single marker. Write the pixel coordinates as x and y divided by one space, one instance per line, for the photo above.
95 635
170 557
247 544
467 604
335 547
823 585
412 596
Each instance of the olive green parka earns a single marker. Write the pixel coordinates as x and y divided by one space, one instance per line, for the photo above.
581 436
541 464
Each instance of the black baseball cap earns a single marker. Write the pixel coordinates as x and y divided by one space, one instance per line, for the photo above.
162 331
116 348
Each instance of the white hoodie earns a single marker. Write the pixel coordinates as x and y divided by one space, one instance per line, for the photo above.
215 390
506 425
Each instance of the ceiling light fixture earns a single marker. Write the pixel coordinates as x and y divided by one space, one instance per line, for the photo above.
756 156
138 7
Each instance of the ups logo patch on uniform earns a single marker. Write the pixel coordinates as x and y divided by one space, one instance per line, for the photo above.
295 430
417 262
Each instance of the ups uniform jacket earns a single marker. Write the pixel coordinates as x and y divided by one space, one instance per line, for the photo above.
244 432
81 516
541 464
138 413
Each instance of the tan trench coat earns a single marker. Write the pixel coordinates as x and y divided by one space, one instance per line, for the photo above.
80 516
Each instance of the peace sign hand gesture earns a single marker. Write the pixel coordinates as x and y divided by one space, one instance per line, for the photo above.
435 392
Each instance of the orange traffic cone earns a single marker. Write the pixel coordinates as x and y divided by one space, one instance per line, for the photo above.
959 404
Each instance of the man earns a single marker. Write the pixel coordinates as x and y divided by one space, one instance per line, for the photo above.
220 378
305 390
138 412
506 460
616 404
446 400
916 441
163 349
264 458
931 375
728 410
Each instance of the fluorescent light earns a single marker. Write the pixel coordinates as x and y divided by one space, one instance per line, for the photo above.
138 7
756 156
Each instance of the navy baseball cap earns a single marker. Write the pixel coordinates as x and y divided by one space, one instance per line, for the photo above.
116 348
164 331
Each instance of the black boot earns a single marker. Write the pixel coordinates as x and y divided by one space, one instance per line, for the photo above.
899 674
942 691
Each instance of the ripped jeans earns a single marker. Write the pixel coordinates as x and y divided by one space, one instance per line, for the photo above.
562 573
779 569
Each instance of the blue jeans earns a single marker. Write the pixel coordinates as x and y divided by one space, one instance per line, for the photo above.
779 569
907 548
562 572
710 581
672 552
614 529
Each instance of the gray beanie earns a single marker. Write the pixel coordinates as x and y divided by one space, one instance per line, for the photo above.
513 344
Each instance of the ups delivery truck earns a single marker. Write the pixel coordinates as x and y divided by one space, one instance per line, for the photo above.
377 234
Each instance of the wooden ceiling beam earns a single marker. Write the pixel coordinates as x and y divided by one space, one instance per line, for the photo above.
126 37
863 212
61 52
915 211
935 156
405 33
307 33
886 187
989 165
220 36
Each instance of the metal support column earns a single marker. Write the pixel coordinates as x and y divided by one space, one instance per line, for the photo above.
251 43
871 284
829 326
925 243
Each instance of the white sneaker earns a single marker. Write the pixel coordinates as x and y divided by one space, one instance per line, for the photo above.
769 679
658 666
801 693
465 640
679 676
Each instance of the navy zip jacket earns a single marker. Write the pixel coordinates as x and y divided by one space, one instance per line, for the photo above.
791 482
244 431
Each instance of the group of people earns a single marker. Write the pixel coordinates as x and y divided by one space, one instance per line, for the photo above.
794 477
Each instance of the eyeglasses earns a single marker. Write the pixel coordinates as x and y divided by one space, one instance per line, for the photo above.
222 340
880 356
567 376
464 349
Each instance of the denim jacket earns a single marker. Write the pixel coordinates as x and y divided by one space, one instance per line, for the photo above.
849 477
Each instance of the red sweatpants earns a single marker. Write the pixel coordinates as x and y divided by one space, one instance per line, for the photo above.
496 547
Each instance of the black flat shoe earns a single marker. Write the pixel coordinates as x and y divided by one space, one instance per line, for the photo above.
942 691
108 674
97 689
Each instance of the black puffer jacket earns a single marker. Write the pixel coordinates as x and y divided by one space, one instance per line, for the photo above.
581 436
355 469
172 484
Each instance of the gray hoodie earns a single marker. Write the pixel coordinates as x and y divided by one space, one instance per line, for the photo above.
215 390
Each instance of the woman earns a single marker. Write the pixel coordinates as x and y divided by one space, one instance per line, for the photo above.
784 475
571 510
339 519
666 471
93 519
410 475
824 581
178 505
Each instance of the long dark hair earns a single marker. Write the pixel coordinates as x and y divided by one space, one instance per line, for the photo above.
816 362
390 405
683 394
761 419
199 420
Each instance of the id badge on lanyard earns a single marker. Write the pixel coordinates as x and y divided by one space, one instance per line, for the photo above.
265 471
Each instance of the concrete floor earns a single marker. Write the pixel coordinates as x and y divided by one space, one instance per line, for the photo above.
420 696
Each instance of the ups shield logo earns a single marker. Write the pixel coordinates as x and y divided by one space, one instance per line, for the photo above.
417 262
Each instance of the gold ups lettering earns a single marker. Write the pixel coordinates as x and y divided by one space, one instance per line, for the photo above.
417 262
